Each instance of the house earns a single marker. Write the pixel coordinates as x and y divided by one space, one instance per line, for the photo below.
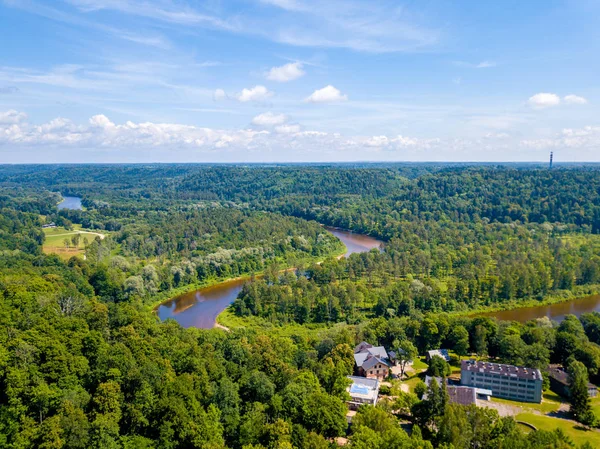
443 353
372 361
49 225
559 382
362 391
517 383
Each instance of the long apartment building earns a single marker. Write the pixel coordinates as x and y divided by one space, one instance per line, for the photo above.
505 381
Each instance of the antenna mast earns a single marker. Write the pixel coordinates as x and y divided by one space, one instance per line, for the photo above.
551 157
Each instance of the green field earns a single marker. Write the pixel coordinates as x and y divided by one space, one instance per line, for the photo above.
419 364
550 403
596 406
577 433
55 241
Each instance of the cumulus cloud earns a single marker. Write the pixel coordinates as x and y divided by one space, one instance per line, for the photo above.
101 133
256 93
219 94
269 119
575 99
287 129
586 138
11 116
285 73
543 100
278 140
328 94
101 121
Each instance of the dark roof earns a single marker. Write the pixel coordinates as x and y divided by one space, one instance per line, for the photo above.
362 347
457 394
560 375
501 369
462 395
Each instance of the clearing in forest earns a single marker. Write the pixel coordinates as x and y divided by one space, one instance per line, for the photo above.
68 243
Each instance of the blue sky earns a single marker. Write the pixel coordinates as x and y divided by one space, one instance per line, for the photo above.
298 80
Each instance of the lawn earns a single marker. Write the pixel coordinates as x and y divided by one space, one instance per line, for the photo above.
550 403
411 382
55 241
419 364
596 406
572 430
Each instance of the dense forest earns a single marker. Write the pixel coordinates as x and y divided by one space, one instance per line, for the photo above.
85 364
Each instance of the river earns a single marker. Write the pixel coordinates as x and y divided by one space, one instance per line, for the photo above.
70 202
200 308
556 312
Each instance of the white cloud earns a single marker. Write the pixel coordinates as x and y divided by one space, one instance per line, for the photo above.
497 136
328 94
288 129
287 72
12 117
486 64
543 100
256 93
269 119
101 133
575 99
101 121
377 141
107 140
586 138
219 95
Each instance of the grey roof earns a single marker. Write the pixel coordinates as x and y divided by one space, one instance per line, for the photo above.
520 372
372 361
428 380
367 352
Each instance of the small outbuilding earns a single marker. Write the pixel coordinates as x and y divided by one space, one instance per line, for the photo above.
443 353
559 382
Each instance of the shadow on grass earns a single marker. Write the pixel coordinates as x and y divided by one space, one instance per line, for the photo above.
562 414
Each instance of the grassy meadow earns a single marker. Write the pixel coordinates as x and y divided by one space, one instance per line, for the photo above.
64 242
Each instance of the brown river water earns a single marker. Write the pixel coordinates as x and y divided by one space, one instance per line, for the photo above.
200 308
556 312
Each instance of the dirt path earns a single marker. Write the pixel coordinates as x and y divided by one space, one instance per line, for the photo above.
78 232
